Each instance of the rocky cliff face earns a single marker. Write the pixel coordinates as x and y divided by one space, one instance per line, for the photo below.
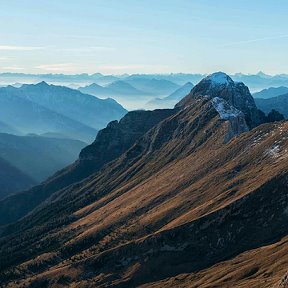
235 117
117 137
235 93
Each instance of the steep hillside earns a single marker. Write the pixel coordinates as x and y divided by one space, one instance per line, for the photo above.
12 180
193 195
110 143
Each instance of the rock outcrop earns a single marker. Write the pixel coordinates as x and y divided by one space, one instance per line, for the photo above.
235 93
236 118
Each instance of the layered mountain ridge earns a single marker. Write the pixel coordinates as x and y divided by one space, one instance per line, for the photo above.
271 92
13 179
170 100
39 157
278 103
197 187
110 143
43 108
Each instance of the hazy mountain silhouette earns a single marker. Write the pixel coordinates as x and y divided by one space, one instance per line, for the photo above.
271 92
153 86
279 103
95 89
172 99
84 108
115 88
5 128
44 108
12 179
253 81
39 157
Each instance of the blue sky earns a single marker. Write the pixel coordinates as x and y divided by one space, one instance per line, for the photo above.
143 36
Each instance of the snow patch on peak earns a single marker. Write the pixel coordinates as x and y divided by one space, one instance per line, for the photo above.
225 110
235 117
220 78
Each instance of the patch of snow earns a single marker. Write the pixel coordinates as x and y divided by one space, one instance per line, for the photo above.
220 78
225 110
274 151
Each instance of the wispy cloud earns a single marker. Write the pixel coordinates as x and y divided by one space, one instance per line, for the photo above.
254 40
19 48
59 67
11 68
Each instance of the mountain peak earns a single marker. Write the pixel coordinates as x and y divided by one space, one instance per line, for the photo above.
263 75
222 86
94 85
187 84
219 78
42 84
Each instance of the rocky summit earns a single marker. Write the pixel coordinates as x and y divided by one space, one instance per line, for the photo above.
236 94
194 196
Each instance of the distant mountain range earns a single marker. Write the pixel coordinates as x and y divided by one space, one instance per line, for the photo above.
271 92
123 88
84 108
113 89
152 86
43 108
38 123
279 103
139 91
255 82
273 98
132 92
172 99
